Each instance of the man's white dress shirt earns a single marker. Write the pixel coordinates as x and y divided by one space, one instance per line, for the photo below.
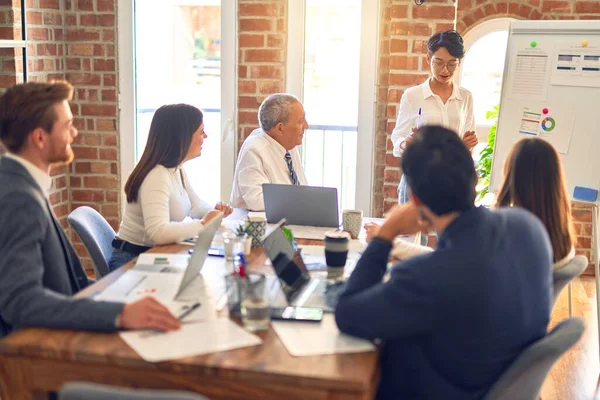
456 114
261 160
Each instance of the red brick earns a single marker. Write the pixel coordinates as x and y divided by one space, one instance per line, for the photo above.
270 87
398 45
105 124
441 27
104 65
257 10
252 25
404 62
266 71
433 12
489 9
242 71
109 140
71 19
247 87
108 35
553 6
51 18
88 20
248 102
407 79
34 18
502 8
280 25
262 55
37 34
114 169
109 210
94 196
109 95
106 5
404 28
392 161
112 196
109 154
46 49
398 11
275 40
589 6
391 111
54 4
83 79
73 64
82 167
393 95
525 11
99 50
77 34
392 175
75 181
85 5
106 20
104 110
247 40
248 117
390 191
109 80
100 182
513 8
89 153
419 46
582 215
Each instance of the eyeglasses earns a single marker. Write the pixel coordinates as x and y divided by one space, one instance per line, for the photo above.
451 66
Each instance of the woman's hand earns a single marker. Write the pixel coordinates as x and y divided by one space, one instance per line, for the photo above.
225 208
470 139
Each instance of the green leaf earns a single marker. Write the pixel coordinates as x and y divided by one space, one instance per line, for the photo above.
484 166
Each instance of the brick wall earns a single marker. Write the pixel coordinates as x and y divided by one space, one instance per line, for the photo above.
261 60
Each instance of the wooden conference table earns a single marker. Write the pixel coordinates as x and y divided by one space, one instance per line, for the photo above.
36 361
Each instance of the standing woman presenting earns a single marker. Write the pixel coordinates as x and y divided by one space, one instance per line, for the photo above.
437 101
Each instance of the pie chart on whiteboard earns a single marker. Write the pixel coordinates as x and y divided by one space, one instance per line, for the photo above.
548 124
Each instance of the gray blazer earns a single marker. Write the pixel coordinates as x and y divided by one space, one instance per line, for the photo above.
39 270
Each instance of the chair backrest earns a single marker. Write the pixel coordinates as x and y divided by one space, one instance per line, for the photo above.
96 234
93 391
524 378
567 273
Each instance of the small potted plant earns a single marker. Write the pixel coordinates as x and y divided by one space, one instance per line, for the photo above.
244 237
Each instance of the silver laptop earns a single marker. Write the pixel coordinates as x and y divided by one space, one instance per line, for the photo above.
160 280
301 205
294 280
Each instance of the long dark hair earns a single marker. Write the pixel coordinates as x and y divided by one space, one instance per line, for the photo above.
169 139
534 179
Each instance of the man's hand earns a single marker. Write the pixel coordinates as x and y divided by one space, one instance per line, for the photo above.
470 139
148 313
372 230
225 208
403 220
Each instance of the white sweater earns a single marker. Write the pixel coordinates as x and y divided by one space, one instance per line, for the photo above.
167 211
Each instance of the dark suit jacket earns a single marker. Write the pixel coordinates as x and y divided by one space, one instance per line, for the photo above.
39 270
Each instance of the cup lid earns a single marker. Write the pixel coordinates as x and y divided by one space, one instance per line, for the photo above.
337 235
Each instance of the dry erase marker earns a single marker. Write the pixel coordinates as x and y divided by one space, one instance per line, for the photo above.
419 119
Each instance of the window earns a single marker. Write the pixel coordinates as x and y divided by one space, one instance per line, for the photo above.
483 67
13 52
180 51
331 67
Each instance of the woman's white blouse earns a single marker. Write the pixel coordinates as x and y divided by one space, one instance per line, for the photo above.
456 114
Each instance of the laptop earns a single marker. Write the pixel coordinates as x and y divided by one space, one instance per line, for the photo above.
301 205
298 287
164 276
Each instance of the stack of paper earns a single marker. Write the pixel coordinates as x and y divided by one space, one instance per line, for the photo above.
311 339
191 340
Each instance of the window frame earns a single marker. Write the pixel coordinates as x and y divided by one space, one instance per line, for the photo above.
369 63
469 39
22 43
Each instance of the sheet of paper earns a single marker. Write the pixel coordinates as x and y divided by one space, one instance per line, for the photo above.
133 285
316 254
163 259
311 339
529 73
192 339
576 65
556 127
530 121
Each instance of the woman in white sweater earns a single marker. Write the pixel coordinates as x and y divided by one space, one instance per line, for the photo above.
162 206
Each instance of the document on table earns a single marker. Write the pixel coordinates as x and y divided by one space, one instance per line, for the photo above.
192 339
311 339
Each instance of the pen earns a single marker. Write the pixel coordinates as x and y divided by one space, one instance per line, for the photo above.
419 119
188 311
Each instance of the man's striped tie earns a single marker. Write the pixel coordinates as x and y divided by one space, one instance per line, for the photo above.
293 176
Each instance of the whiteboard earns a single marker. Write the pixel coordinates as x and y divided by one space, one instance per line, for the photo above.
551 89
